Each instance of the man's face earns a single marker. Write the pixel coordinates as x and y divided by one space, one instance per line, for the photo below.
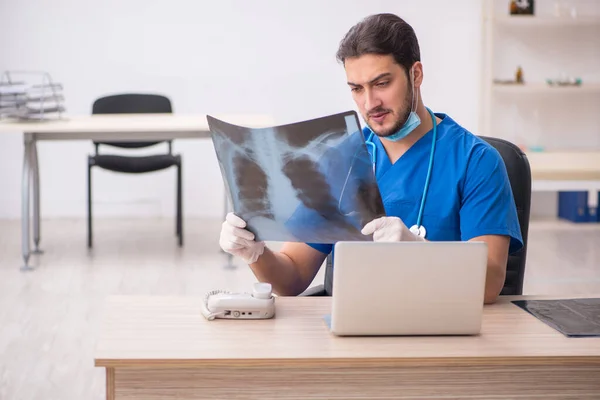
381 91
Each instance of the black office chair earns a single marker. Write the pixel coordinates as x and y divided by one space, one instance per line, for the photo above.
134 104
519 174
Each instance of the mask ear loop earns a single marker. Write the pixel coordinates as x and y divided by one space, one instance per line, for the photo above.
415 97
413 101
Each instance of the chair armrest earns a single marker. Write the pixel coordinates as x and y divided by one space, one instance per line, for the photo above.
318 290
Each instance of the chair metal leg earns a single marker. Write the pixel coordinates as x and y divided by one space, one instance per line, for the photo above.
89 208
229 264
179 206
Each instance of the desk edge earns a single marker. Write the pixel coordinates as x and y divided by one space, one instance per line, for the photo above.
348 362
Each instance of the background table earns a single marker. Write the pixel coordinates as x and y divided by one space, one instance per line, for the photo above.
113 127
162 348
554 171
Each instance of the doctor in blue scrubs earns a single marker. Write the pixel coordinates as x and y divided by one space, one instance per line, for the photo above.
438 181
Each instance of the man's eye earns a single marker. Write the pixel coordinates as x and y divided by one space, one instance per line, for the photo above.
355 89
382 84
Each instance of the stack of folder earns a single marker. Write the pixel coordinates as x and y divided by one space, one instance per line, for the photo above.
27 101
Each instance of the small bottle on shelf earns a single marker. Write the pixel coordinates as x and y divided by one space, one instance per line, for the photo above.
519 75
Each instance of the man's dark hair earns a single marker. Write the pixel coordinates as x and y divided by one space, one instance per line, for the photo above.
384 34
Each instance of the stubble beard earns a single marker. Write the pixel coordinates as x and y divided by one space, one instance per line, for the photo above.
404 114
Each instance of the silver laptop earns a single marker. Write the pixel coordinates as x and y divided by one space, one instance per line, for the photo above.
408 288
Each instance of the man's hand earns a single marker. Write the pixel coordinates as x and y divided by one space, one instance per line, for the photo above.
390 229
236 240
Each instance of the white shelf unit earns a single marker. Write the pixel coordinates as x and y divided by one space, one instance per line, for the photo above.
544 21
540 29
544 88
560 120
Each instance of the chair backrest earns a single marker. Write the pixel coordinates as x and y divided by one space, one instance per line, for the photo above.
519 175
132 103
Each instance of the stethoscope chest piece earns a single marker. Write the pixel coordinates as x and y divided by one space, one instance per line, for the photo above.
418 230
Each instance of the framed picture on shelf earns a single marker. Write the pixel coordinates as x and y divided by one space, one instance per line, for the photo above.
521 7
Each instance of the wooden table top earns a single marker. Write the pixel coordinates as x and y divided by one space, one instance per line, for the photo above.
130 123
171 331
565 165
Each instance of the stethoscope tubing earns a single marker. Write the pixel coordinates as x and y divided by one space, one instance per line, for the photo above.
369 142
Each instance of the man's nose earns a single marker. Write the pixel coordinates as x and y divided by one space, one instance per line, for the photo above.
371 100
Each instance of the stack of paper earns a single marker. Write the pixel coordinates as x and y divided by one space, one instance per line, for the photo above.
13 96
29 101
43 101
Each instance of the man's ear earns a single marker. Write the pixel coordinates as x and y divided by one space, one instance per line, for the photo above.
418 74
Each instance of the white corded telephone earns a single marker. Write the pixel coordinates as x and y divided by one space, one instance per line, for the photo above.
260 304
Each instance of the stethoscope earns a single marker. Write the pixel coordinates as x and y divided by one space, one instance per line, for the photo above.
416 229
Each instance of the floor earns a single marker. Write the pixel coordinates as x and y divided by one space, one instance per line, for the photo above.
49 316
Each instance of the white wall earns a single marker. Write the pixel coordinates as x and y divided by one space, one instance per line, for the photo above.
240 56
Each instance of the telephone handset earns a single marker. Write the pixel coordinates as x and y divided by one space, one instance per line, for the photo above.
260 304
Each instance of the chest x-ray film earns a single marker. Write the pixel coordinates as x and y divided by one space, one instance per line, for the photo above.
310 181
571 317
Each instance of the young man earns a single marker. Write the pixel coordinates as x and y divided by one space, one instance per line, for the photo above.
468 194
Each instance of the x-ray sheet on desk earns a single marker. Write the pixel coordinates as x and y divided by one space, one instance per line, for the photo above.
310 181
571 317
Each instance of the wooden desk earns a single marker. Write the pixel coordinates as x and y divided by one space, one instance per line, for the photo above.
565 165
162 348
553 171
107 127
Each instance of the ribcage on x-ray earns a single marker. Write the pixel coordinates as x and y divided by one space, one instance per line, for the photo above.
314 132
368 201
310 185
313 190
252 182
310 181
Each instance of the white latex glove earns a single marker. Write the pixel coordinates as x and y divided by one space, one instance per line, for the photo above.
238 241
390 229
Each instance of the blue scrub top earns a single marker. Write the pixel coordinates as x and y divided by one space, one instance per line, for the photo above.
469 193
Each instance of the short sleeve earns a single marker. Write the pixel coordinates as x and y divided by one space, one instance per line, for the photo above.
323 248
487 203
